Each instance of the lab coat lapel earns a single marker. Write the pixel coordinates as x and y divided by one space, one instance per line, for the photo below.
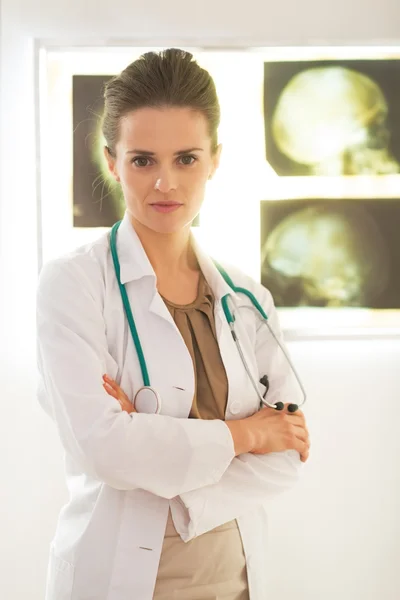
133 259
159 339
135 265
242 398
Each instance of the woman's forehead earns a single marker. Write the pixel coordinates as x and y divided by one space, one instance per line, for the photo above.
158 129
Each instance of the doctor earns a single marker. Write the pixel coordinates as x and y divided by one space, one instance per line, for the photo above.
170 505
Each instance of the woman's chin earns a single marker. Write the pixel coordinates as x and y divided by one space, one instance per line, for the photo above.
165 224
170 226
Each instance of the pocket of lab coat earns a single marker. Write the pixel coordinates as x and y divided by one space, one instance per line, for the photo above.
60 578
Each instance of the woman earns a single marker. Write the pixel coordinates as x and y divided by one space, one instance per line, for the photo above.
169 505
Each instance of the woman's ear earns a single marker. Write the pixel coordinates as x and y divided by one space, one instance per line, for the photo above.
112 167
215 161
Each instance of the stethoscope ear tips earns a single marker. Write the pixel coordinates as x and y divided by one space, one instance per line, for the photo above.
292 408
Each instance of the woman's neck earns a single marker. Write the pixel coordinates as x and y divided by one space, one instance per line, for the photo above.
169 254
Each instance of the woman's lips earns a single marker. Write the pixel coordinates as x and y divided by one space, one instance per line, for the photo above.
166 207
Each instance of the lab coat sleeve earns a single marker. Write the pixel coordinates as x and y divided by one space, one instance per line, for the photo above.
251 480
163 455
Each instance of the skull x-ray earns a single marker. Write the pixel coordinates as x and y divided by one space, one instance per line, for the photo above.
331 253
97 200
332 118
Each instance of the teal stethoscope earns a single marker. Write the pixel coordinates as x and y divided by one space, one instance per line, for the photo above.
148 396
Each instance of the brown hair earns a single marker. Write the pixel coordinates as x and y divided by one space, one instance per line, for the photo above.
160 79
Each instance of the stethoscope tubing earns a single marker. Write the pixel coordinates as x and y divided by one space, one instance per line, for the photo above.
264 321
231 322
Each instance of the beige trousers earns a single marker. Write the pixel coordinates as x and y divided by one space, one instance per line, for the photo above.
209 567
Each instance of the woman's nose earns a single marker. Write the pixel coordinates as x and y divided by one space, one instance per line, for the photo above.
166 181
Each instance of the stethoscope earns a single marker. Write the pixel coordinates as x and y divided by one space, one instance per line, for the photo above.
147 396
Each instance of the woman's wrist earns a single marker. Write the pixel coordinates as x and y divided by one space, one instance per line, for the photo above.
241 436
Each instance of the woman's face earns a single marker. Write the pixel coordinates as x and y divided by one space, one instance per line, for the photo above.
163 160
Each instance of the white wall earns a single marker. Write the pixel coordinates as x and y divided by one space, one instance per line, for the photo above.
337 535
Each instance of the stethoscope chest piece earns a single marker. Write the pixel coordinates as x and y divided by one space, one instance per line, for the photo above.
147 400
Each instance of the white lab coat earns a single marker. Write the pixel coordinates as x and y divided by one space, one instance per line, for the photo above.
124 471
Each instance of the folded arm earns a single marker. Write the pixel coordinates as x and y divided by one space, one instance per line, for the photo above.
251 479
163 455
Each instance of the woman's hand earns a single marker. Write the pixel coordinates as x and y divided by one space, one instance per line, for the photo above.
270 430
277 430
113 389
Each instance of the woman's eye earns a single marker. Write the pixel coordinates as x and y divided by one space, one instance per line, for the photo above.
141 161
145 161
187 159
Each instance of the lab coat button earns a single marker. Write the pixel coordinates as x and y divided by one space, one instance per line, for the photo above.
234 409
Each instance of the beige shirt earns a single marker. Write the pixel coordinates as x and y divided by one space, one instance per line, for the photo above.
197 326
213 565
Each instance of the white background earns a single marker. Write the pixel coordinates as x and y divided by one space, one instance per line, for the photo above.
338 534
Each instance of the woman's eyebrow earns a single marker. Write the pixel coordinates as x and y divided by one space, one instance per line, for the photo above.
149 153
